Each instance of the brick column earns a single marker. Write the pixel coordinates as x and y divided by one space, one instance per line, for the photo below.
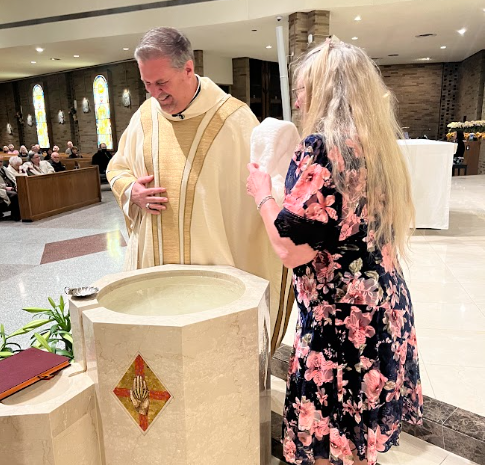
316 23
241 79
448 97
199 62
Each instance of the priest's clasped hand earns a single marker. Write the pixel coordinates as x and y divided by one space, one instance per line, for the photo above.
148 197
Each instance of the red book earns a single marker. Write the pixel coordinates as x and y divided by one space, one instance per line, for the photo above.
28 367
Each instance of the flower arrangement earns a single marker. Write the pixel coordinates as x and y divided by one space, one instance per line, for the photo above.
468 126
477 128
477 135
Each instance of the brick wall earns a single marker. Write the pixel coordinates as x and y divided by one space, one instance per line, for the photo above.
429 95
199 62
300 26
240 79
418 92
471 80
7 115
449 89
119 77
60 91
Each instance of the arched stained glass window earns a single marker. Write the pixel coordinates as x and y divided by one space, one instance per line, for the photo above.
40 117
101 110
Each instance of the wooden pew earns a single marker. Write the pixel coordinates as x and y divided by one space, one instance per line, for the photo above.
70 163
51 194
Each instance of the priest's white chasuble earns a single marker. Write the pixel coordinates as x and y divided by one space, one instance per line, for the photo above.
210 220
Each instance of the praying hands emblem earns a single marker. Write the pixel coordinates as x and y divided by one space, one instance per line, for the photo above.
140 395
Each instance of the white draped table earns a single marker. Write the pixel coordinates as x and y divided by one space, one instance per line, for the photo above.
430 164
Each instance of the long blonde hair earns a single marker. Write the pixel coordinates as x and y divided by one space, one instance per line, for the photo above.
348 103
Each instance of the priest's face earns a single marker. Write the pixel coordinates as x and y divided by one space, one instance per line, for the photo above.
173 88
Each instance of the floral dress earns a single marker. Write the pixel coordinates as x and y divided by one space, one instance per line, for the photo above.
353 374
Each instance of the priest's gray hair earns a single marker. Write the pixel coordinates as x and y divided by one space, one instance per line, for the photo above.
165 42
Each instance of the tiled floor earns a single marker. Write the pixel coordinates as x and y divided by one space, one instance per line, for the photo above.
40 259
446 277
413 451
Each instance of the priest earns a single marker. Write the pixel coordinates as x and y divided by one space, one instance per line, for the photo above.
180 173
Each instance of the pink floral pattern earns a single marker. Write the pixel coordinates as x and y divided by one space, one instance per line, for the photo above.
354 371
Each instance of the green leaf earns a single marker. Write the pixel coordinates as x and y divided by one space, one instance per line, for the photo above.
45 334
54 328
36 323
67 336
61 303
36 310
65 353
28 327
6 354
51 301
43 342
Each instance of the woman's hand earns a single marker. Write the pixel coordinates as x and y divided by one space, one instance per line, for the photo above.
258 184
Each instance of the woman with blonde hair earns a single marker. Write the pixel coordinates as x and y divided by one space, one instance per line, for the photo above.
354 373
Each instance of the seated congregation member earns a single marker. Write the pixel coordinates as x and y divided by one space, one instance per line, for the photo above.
74 152
35 166
48 154
34 149
11 150
6 179
55 161
9 201
14 168
101 158
23 152
69 147
354 372
5 150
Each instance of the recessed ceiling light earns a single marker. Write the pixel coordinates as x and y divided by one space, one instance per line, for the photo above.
254 30
424 59
55 59
33 62
462 30
358 18
443 47
354 38
269 46
39 49
125 48
76 56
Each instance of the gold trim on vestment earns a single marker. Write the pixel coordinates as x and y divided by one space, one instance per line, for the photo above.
287 298
171 159
215 125
289 306
279 316
147 127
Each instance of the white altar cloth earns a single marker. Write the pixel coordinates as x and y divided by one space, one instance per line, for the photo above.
430 164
